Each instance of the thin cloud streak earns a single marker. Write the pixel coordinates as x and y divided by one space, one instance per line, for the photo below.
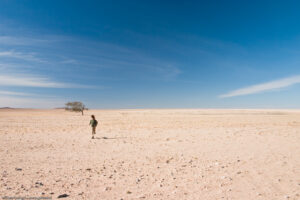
22 102
277 84
10 93
20 41
69 61
19 55
34 81
30 40
100 55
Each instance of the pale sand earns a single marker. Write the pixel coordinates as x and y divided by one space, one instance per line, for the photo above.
151 154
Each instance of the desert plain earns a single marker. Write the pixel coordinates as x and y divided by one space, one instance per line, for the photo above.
151 154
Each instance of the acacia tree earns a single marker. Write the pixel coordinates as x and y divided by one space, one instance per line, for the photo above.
75 106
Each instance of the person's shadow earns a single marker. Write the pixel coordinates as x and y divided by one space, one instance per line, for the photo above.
107 138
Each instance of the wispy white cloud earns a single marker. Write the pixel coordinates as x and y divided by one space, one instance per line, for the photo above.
20 41
27 38
30 102
272 85
95 54
34 81
69 61
169 72
20 55
10 93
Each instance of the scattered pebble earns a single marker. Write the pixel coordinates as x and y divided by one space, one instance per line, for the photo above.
107 188
39 183
18 169
63 196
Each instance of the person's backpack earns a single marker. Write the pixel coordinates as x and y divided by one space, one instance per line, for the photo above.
95 123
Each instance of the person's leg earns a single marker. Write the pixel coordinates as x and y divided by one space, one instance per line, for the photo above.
93 132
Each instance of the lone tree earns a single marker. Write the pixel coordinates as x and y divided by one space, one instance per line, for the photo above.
75 106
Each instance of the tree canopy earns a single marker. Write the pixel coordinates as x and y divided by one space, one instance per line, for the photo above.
75 106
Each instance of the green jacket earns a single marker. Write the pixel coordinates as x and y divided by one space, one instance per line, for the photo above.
93 123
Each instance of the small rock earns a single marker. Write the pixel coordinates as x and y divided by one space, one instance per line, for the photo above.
128 192
239 172
39 183
107 188
18 169
63 196
88 169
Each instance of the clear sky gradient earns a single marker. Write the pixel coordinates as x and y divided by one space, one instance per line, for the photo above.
150 54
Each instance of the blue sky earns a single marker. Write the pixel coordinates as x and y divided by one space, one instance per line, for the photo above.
150 54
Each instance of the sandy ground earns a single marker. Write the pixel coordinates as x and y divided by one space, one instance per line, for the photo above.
151 154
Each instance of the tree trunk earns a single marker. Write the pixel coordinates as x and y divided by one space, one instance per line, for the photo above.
81 112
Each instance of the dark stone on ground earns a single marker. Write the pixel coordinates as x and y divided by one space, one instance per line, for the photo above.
63 196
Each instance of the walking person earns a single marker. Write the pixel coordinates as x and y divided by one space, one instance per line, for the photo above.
94 124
